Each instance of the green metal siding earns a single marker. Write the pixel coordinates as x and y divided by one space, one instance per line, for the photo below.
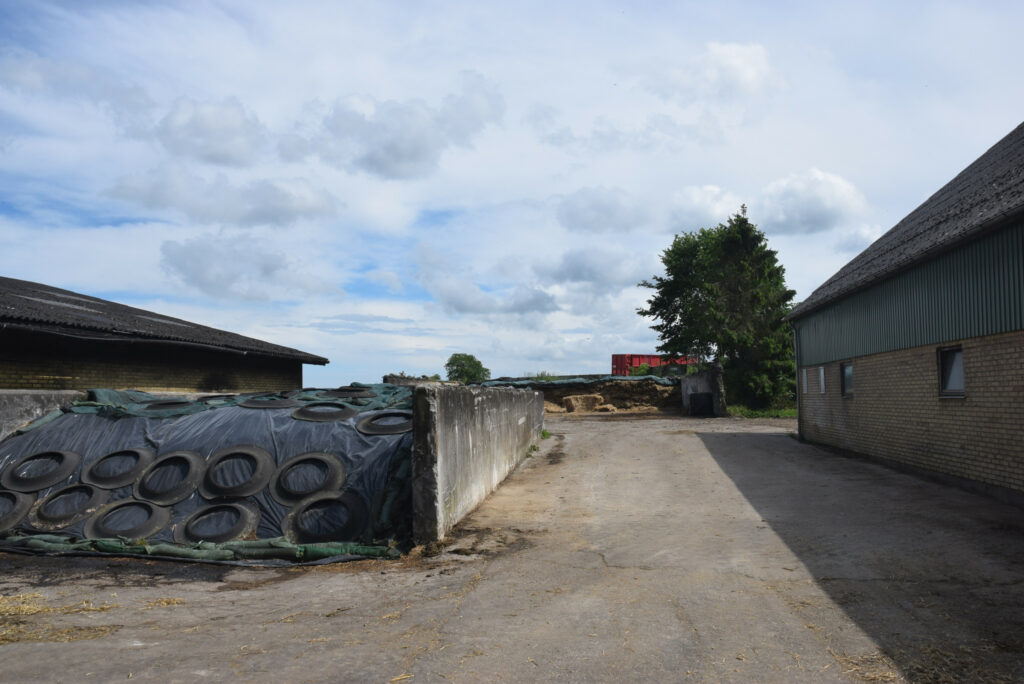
972 291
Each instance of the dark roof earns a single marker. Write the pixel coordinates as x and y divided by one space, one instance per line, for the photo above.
982 197
48 309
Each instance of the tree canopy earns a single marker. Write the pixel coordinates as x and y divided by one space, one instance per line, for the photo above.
723 298
466 368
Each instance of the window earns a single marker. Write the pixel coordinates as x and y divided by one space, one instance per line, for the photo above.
803 380
846 378
821 379
951 372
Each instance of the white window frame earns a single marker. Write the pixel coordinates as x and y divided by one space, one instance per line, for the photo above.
821 379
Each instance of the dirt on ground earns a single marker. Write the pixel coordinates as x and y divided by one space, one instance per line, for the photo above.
625 549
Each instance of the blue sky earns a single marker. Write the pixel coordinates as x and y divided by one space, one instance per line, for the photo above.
385 184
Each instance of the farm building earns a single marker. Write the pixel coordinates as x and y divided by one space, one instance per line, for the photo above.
913 353
55 339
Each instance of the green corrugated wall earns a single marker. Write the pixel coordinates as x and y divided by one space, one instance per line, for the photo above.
975 290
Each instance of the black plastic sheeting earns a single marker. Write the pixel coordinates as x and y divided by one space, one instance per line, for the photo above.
371 485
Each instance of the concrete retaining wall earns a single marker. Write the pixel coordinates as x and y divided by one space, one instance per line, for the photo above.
18 407
467 440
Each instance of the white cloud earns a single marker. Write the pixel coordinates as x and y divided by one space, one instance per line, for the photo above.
215 132
855 240
702 206
723 72
600 210
657 132
810 202
258 202
600 270
237 266
29 73
399 140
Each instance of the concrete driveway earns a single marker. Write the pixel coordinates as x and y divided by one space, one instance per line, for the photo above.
625 549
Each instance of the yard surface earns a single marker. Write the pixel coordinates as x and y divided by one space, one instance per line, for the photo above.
627 548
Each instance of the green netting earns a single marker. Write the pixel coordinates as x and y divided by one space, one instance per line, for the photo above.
120 403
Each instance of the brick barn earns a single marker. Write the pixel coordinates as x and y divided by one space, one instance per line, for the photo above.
55 339
913 353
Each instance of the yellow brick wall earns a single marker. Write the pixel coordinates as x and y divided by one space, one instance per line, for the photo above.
896 412
41 362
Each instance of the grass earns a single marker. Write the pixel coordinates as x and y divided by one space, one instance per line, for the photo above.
774 412
542 376
544 434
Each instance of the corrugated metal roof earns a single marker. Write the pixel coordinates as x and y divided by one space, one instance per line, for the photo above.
986 193
49 309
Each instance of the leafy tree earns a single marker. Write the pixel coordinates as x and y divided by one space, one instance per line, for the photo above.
466 368
723 298
642 369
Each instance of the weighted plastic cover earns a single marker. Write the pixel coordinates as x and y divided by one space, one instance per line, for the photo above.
375 473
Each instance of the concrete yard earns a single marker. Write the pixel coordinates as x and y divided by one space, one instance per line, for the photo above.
627 548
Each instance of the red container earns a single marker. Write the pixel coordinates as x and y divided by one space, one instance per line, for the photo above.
622 364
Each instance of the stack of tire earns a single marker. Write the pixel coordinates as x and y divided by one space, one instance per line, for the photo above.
235 493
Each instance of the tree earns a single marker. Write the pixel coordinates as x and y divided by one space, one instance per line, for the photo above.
642 369
723 298
466 368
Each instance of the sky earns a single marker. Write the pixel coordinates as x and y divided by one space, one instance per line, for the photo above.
385 184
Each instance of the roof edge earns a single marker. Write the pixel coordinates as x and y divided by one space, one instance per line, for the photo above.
96 335
992 225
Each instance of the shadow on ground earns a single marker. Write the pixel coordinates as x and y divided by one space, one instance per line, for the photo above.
934 575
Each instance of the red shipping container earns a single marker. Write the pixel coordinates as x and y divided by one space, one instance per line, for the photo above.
622 364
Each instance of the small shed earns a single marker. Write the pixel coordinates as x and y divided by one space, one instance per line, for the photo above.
54 339
913 353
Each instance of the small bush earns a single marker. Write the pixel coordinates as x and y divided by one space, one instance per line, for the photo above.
642 369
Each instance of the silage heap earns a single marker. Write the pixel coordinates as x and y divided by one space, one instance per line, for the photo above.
301 476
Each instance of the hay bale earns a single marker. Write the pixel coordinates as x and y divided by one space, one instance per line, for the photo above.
578 403
551 407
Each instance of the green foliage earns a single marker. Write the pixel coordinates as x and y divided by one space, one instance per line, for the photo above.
772 412
642 369
544 434
466 368
436 377
543 376
723 298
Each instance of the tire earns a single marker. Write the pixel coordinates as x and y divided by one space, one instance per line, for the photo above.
147 490
334 475
43 520
309 412
93 475
167 405
20 503
347 508
262 469
348 393
252 403
190 530
102 524
67 463
370 425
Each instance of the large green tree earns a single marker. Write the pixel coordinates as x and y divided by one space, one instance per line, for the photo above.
723 298
466 368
